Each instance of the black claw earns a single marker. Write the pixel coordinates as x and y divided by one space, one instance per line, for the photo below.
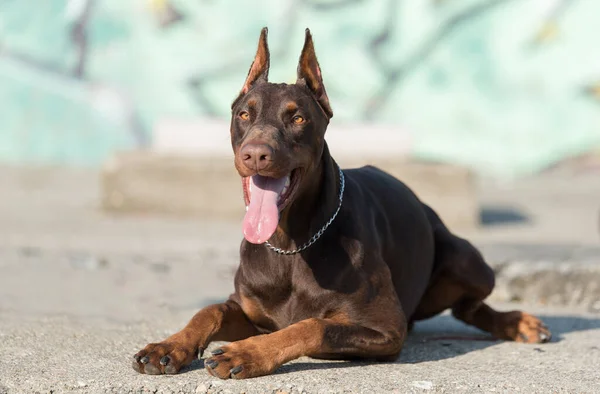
165 360
545 337
217 352
199 352
235 370
211 363
145 360
136 358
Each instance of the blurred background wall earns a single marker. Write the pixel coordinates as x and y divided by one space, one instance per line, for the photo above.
504 87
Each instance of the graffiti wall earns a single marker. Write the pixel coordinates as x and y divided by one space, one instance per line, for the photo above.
504 86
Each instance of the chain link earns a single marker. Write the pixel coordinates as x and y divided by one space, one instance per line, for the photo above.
315 237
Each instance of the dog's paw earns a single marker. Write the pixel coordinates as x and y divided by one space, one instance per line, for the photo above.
239 360
164 358
522 327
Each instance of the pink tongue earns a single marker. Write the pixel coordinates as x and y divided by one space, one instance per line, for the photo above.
262 215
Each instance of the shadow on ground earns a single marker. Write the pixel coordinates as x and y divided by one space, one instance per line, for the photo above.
501 215
195 365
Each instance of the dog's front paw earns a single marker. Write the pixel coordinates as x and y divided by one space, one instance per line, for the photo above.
166 357
240 360
523 327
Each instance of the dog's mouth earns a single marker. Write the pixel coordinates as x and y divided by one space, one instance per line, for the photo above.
265 198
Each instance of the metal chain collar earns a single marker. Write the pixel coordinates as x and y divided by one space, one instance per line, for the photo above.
321 231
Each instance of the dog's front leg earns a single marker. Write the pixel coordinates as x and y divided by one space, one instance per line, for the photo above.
220 322
325 338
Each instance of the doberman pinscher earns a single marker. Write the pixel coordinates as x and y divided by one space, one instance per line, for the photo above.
335 264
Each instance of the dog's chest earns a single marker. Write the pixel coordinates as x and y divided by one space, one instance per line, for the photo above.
275 295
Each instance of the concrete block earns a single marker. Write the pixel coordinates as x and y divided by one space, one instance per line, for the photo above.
144 181
569 283
209 187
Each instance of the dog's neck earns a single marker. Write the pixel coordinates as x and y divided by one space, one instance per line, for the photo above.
313 207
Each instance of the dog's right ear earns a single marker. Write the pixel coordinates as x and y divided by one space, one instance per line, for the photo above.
259 71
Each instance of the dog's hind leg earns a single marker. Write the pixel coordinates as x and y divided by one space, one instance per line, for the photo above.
219 322
461 281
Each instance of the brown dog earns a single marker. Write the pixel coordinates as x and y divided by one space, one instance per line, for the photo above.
352 258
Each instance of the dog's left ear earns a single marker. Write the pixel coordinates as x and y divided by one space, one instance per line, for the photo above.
309 72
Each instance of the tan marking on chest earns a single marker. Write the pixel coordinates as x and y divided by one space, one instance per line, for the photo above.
255 312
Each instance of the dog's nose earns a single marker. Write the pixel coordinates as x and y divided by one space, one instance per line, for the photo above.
257 156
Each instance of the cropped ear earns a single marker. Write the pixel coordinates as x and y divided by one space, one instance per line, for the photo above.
309 72
259 71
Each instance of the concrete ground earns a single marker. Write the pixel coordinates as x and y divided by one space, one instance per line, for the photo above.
61 353
81 291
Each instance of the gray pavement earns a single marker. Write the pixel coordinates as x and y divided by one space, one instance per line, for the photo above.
93 355
81 291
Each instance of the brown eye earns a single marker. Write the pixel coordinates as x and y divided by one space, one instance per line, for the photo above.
298 119
244 115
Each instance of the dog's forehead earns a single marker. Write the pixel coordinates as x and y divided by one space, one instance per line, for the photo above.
280 95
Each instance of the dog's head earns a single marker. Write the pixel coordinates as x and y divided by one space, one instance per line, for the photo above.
277 134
